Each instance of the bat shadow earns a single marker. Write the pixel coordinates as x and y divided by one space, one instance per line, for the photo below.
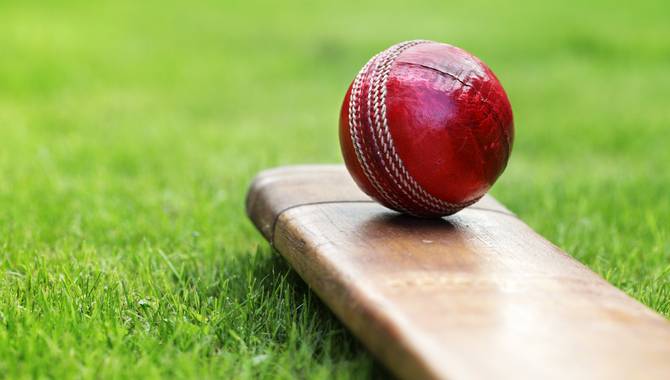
391 225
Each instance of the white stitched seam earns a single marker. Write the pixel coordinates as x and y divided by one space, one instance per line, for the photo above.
354 114
394 167
374 103
399 173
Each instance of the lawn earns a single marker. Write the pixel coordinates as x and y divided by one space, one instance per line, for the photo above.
129 131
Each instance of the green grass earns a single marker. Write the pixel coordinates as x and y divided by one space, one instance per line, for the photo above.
130 130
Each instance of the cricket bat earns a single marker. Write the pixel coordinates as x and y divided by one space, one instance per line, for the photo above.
476 295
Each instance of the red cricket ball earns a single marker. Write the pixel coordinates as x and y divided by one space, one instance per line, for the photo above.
426 128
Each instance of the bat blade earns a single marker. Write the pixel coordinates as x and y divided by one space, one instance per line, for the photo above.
477 295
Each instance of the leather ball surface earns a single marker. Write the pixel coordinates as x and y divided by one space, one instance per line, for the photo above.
426 128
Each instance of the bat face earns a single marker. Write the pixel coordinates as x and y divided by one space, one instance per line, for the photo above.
478 295
426 128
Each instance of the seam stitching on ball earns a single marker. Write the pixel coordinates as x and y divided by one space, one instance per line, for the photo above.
400 174
379 165
354 131
376 86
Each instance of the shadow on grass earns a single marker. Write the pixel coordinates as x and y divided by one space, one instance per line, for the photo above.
332 342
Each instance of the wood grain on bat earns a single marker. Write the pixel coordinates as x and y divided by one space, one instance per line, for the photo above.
475 295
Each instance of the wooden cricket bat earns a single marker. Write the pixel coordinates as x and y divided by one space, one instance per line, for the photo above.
477 295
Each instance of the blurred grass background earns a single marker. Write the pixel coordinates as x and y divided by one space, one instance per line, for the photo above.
130 130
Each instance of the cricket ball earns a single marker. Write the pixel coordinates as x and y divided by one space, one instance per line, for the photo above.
426 128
